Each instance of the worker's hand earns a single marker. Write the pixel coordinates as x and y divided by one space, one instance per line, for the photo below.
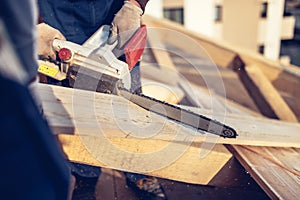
125 23
46 35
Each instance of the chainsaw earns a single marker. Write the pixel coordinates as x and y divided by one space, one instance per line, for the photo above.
96 56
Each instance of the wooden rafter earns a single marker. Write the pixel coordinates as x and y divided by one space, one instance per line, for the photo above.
74 111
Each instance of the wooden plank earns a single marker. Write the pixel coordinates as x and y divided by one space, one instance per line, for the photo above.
276 181
266 97
176 156
267 172
216 91
94 114
186 167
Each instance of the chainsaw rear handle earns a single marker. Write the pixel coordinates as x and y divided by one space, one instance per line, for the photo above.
62 45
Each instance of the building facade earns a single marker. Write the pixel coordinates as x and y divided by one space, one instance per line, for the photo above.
258 25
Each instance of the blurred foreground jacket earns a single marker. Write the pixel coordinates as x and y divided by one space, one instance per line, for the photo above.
32 165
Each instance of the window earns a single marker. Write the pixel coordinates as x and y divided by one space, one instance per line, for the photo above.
174 14
261 49
264 10
287 10
218 13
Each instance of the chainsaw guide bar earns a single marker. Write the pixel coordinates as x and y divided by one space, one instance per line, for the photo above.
184 116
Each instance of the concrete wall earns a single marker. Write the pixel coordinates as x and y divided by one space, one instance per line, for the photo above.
287 32
273 29
155 8
172 3
240 22
199 16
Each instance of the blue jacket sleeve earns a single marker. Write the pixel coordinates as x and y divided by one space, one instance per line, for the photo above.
20 17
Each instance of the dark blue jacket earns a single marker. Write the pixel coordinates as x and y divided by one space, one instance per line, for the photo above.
32 166
78 19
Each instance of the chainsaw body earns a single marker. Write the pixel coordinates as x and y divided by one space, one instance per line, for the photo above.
98 62
96 58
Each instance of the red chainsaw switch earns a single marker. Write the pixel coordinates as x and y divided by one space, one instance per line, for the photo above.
135 47
65 54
